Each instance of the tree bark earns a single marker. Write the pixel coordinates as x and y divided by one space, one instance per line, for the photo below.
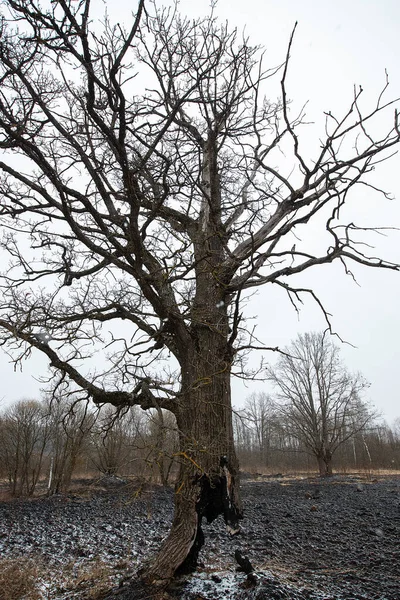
325 465
208 482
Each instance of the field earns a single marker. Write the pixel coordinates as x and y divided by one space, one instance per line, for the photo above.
306 538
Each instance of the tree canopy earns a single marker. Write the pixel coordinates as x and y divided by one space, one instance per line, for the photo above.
135 164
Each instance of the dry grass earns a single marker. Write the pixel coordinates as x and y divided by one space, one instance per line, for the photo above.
299 475
19 580
87 581
28 579
91 580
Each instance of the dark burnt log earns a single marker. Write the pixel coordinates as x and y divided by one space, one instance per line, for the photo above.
245 565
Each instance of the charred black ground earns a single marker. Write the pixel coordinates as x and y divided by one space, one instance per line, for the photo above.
306 538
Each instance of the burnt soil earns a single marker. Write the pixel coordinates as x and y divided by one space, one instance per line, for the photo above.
306 538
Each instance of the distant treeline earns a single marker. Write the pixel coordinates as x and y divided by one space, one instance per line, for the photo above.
268 441
47 443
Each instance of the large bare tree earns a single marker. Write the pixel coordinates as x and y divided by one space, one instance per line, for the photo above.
143 193
320 401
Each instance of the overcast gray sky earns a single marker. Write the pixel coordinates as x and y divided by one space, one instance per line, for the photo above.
336 46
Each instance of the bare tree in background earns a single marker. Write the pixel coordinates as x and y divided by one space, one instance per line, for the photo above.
24 436
320 400
144 190
69 427
260 412
163 443
115 439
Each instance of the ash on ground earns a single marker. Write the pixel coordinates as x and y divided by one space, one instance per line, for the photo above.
307 539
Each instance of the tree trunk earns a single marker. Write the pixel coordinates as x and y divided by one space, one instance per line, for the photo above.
208 482
325 464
